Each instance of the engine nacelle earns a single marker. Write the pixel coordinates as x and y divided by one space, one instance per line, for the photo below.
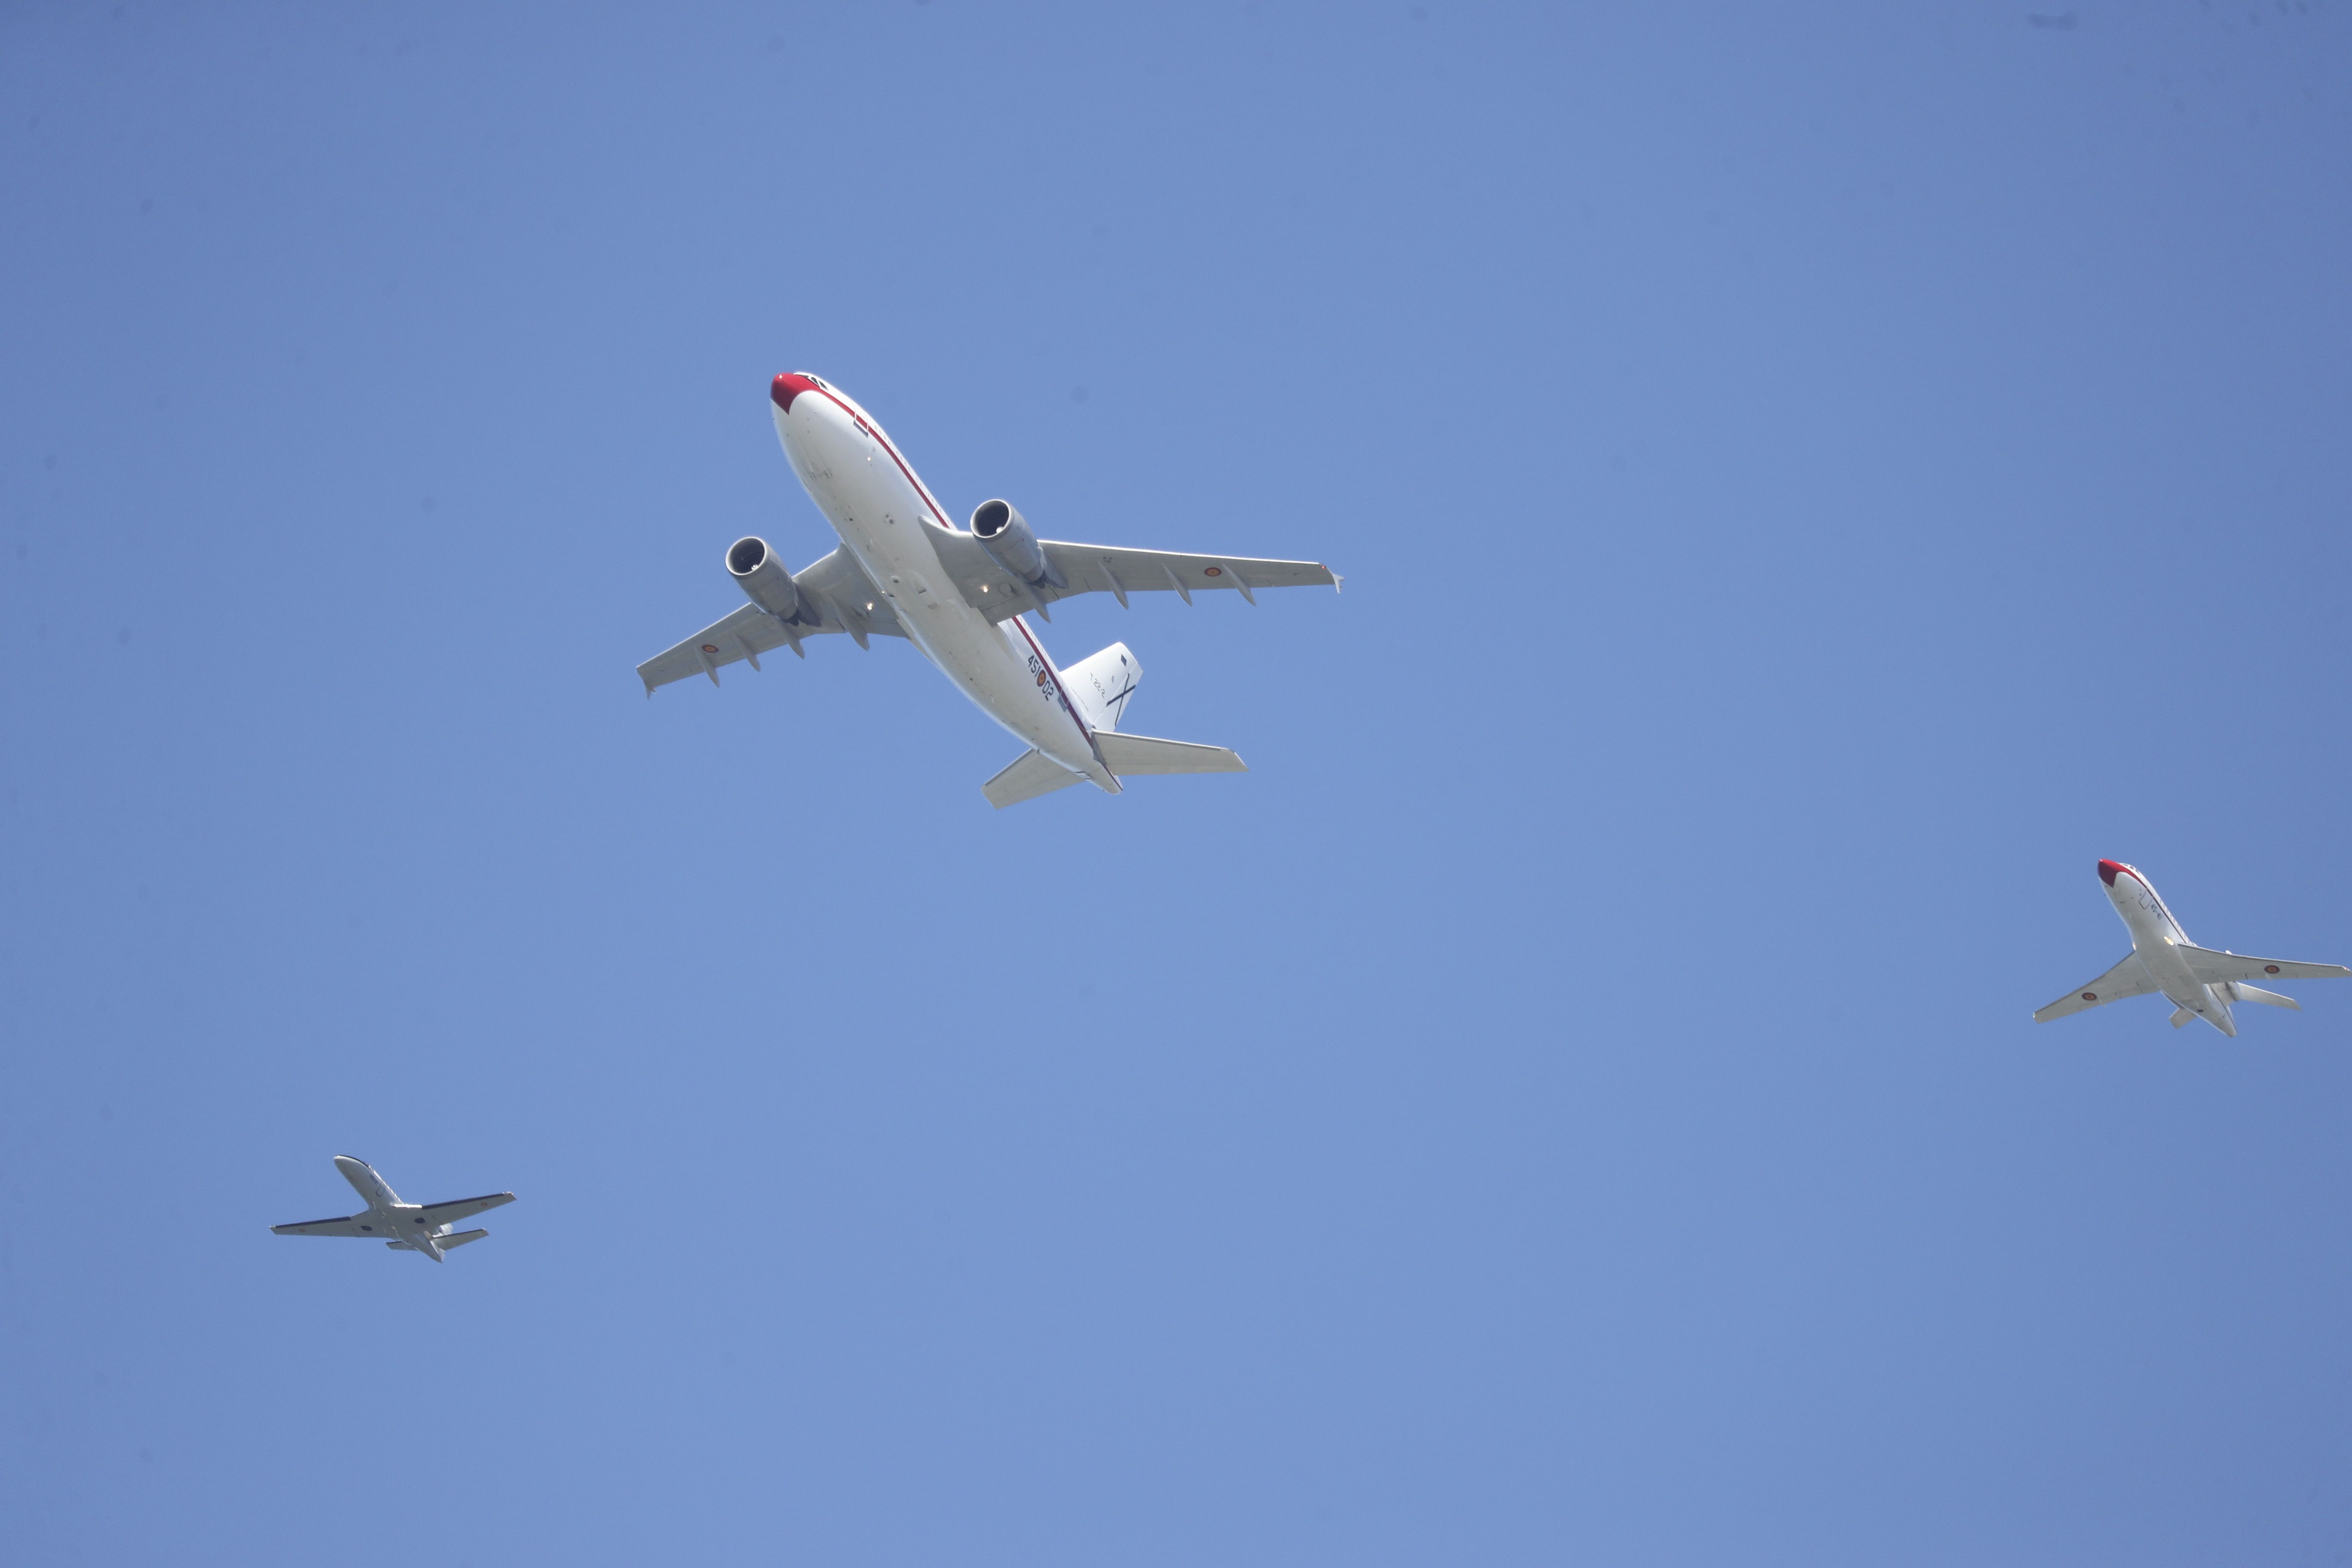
764 578
1005 534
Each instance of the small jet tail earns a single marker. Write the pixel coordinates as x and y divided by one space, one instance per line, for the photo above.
2219 1013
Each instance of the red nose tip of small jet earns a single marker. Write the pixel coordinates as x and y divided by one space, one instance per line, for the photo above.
2107 869
787 387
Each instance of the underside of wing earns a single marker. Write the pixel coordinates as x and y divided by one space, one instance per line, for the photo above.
355 1225
461 1208
835 596
2213 967
1105 568
2129 978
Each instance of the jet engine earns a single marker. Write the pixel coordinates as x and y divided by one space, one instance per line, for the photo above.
1005 534
764 578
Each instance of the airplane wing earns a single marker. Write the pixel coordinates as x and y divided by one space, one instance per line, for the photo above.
350 1227
835 590
462 1208
1105 568
2213 967
2129 978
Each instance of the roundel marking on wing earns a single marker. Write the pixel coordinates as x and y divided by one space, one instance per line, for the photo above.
2090 995
711 648
2270 969
1213 572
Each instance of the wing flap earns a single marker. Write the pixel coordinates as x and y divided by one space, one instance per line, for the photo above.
1105 569
2211 967
2129 978
1101 569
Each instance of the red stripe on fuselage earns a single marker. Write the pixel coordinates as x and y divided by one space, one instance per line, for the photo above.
868 426
1055 676
1060 691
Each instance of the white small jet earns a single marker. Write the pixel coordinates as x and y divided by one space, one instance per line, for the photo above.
404 1227
960 597
2198 980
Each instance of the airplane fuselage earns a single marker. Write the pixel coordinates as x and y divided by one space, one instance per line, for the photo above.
2158 938
889 522
400 1223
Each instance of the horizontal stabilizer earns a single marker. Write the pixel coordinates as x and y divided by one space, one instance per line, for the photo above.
2267 998
1101 683
460 1239
2180 1017
2213 967
1127 755
1033 774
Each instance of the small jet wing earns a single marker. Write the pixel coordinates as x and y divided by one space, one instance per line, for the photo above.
835 596
2213 967
357 1225
1105 568
2129 978
461 1208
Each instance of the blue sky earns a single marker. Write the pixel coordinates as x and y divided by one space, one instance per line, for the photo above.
1809 485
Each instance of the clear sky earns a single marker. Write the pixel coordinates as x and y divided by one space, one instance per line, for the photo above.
1810 480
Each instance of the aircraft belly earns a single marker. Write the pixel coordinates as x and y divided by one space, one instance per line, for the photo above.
991 663
2170 972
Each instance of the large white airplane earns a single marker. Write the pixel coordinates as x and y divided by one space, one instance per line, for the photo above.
960 597
404 1227
2199 982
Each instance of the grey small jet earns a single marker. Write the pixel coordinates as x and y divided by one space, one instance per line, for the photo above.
404 1227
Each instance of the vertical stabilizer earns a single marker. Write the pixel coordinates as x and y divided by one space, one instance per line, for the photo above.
1101 683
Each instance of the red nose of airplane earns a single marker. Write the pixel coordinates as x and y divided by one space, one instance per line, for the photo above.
787 387
2107 869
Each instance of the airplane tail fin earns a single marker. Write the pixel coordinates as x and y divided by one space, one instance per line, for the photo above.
1101 683
444 1242
2219 1017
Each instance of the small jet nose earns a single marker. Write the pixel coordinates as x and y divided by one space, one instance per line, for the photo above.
2108 870
787 387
